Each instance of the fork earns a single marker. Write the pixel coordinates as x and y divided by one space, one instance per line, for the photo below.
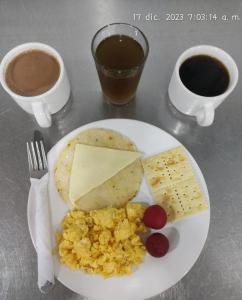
37 160
39 212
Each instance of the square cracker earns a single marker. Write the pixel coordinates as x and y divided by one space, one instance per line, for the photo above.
167 168
173 184
181 200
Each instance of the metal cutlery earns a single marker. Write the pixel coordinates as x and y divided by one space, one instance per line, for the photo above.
40 216
37 160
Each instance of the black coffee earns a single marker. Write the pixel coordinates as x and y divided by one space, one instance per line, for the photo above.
204 75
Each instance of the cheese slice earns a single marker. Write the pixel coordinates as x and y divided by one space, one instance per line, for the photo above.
92 166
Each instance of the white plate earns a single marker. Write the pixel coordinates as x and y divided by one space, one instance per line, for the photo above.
186 237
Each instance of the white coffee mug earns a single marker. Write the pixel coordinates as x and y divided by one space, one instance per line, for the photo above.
42 106
189 103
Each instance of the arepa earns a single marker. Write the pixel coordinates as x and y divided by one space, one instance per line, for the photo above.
116 191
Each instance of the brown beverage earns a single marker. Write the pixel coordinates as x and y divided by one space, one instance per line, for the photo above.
119 60
32 73
204 75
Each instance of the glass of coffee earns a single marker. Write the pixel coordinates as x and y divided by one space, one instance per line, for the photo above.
120 51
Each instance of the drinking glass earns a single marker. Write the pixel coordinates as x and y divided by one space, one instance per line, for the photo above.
119 85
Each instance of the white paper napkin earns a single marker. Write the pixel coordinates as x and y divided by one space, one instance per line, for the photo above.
41 232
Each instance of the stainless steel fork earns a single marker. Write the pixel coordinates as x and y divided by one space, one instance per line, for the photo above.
40 215
37 160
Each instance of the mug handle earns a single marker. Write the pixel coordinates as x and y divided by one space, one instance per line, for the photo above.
205 115
41 114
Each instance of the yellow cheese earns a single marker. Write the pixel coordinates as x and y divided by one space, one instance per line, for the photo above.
92 166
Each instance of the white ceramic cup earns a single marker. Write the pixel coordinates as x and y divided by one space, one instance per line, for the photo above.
41 106
203 108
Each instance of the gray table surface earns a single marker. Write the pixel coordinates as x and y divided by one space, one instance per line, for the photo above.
69 27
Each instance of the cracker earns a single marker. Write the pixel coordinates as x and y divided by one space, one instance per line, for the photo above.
181 200
166 168
173 184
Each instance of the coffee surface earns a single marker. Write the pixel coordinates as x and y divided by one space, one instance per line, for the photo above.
204 75
32 73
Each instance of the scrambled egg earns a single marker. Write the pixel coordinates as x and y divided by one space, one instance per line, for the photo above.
104 242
